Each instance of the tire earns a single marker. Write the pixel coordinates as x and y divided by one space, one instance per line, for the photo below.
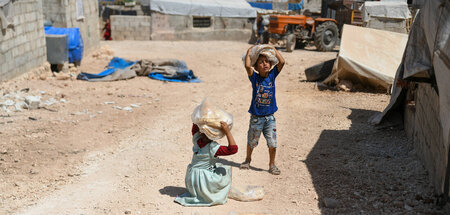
291 40
326 36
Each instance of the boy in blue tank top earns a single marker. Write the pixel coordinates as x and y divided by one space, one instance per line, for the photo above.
263 106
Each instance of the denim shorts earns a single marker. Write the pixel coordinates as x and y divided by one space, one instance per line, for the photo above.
264 124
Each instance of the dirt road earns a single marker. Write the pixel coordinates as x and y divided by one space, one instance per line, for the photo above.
86 156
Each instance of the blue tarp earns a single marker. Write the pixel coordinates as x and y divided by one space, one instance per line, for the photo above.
267 6
181 76
166 70
75 41
115 64
295 6
173 70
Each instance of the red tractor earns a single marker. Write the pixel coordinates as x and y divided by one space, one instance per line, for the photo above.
298 30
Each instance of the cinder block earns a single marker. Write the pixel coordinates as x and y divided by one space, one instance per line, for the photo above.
4 68
2 58
11 67
14 52
27 46
21 50
145 24
23 38
17 60
41 51
28 17
16 20
33 27
3 48
8 56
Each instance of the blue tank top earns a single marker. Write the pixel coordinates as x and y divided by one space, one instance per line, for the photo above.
263 96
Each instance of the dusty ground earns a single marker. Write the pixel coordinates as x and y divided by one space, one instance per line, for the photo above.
86 157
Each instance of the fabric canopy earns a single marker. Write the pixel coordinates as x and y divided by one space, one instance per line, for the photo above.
368 56
427 54
217 8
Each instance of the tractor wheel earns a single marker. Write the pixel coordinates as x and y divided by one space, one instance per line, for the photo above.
326 36
290 42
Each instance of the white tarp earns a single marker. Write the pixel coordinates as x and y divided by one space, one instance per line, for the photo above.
427 51
389 9
217 8
369 57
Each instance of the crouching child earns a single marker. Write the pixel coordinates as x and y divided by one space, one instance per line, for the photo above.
207 181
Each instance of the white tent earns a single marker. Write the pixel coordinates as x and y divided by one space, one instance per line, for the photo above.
217 8
368 56
426 55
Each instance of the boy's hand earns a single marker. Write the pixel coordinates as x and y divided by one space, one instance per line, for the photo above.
225 127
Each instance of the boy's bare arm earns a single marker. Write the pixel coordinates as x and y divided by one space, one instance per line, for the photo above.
248 62
280 58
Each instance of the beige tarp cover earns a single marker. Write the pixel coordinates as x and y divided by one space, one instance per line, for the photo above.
427 52
368 56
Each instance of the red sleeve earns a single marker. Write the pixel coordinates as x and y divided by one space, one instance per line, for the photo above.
223 150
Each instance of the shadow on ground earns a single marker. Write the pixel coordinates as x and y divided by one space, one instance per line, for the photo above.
172 191
364 170
237 165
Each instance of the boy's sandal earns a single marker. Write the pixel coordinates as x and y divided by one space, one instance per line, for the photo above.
274 170
245 165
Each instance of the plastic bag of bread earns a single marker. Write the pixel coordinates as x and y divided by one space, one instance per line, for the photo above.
207 117
265 50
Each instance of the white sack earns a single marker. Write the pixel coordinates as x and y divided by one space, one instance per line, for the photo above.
207 117
265 50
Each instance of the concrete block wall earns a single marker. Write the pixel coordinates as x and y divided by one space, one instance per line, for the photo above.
23 47
63 14
55 12
176 27
130 27
423 126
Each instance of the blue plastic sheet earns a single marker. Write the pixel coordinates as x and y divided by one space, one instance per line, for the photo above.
295 6
75 40
115 64
267 6
186 76
164 71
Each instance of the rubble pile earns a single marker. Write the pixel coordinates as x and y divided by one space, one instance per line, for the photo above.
41 72
18 101
65 72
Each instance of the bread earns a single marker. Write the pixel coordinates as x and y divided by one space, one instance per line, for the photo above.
207 117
